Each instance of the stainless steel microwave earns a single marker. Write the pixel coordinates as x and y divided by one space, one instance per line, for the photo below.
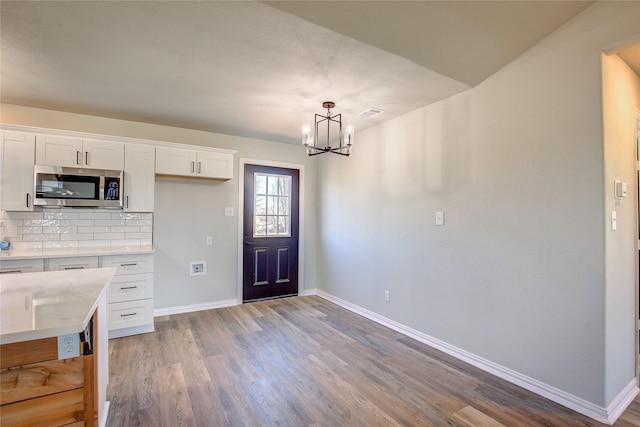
57 186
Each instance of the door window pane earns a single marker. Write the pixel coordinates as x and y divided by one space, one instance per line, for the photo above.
272 209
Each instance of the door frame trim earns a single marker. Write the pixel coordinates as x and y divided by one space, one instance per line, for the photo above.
241 164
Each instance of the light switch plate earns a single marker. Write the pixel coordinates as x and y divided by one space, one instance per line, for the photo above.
439 218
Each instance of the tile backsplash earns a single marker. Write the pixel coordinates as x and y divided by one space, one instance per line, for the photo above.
76 228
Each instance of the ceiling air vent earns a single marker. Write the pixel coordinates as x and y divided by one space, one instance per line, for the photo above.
370 113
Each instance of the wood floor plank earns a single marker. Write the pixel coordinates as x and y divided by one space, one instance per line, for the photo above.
303 361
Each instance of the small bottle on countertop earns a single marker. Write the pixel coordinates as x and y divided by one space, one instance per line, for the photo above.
4 244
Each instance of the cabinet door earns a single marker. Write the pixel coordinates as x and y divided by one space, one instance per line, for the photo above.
139 177
214 165
103 154
59 151
17 171
175 161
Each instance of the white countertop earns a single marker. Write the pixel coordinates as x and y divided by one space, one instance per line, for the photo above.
75 252
50 303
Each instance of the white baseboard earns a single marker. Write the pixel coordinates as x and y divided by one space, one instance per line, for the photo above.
307 292
607 415
194 307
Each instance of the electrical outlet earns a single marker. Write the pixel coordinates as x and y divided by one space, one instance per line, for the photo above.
68 346
229 211
209 240
197 268
387 296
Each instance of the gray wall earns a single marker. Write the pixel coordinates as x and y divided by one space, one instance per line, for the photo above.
517 274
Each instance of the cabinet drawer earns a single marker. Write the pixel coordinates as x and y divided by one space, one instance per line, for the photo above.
130 313
73 263
21 266
131 287
129 264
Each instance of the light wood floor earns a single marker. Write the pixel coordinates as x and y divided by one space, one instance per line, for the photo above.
304 361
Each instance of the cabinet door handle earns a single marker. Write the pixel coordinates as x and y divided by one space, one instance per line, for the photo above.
78 158
128 287
86 158
199 167
10 271
128 315
193 167
80 267
28 197
133 264
127 202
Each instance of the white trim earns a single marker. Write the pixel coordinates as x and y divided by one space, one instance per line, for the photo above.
606 415
241 164
113 138
180 309
307 292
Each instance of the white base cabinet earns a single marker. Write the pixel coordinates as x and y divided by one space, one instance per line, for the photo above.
21 266
130 295
130 298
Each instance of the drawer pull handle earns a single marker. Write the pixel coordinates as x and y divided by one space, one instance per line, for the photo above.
128 315
128 287
74 268
10 271
129 265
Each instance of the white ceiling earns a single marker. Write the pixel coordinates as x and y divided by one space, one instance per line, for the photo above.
259 69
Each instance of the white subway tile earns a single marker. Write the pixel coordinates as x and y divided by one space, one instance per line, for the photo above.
60 230
60 245
30 230
125 229
23 215
109 222
10 231
94 215
108 236
50 214
13 222
139 222
138 235
125 243
146 242
77 222
26 246
93 229
94 243
87 236
146 229
41 222
40 237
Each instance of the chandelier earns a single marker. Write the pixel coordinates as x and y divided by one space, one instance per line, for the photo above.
327 129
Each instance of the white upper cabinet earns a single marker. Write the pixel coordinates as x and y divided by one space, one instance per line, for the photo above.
214 165
74 152
16 188
194 163
139 177
175 161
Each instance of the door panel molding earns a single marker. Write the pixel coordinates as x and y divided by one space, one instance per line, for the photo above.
301 234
